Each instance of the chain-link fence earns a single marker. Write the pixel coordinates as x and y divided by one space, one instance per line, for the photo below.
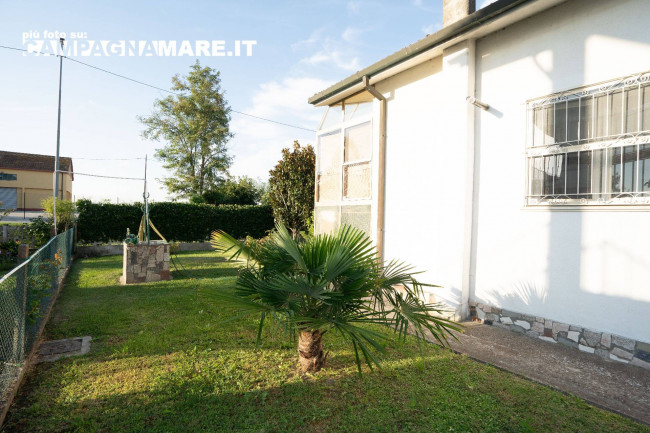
25 296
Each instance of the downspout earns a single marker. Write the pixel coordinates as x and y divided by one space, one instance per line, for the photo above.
381 165
469 259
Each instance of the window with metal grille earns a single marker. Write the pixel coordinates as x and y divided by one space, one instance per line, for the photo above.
591 145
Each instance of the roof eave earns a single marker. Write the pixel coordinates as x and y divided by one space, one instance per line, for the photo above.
446 34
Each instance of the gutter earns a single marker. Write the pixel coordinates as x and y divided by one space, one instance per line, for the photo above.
470 22
381 162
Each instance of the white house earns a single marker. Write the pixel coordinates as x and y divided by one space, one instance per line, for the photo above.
508 156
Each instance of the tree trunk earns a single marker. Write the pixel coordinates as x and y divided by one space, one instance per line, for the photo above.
310 351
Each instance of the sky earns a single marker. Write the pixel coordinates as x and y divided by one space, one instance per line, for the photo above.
300 49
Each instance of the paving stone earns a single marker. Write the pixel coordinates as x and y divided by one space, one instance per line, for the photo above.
487 309
592 338
567 342
603 353
560 327
491 316
620 353
480 314
539 319
640 363
575 328
642 354
506 320
623 342
616 358
586 348
496 310
523 324
548 323
472 303
573 336
510 314
518 329
538 327
549 339
533 334
606 340
640 345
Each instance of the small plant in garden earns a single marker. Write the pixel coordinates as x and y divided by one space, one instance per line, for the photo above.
65 212
8 254
37 232
41 284
315 284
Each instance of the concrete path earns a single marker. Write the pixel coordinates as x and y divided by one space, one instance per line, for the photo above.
607 384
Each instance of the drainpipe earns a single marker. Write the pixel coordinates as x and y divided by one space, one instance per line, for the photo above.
381 165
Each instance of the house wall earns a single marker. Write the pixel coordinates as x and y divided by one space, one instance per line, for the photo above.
426 155
586 267
36 185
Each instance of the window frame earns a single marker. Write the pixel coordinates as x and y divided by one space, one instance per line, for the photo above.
14 177
341 128
539 147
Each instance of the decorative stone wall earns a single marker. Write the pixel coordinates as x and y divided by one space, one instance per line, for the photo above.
607 346
142 263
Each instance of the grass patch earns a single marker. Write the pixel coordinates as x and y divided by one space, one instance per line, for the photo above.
163 360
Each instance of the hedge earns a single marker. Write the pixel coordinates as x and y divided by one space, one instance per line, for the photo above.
105 222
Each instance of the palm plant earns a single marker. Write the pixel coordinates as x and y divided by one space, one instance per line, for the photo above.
314 284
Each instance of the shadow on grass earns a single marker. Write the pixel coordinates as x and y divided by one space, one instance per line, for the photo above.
447 393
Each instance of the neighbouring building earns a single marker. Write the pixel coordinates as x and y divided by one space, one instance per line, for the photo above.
508 156
26 179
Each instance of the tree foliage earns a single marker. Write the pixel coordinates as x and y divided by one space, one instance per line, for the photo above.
65 213
236 190
194 123
313 284
291 187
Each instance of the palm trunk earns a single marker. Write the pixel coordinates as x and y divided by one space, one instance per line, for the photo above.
310 351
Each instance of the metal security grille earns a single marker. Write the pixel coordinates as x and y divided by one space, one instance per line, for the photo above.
25 295
591 145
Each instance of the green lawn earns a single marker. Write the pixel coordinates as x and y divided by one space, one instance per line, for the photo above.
163 360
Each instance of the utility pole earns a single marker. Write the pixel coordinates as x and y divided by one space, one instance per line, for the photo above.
58 140
145 196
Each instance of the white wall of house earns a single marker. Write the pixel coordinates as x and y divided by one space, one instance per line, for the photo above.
589 267
424 209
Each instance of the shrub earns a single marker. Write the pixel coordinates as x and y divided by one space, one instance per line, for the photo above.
185 222
65 210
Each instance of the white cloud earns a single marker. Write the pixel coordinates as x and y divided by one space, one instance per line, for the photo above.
351 34
340 52
431 28
354 7
258 144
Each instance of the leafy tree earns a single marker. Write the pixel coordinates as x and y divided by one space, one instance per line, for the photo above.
243 190
195 124
65 213
314 284
291 187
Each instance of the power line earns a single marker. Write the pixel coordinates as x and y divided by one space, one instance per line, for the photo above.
155 87
100 175
108 159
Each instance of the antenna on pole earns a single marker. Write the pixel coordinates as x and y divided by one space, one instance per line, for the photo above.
145 195
58 142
